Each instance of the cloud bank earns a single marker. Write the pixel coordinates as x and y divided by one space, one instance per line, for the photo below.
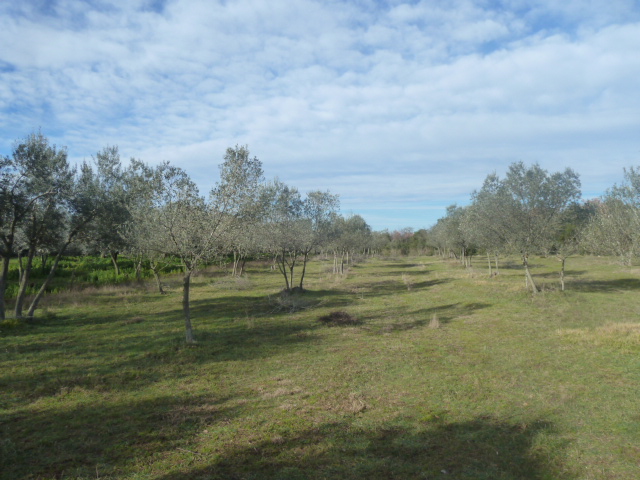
402 108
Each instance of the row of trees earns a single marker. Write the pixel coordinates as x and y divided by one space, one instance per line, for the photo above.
531 211
156 215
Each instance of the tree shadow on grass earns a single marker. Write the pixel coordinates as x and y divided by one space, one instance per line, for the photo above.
106 354
71 442
556 274
393 287
483 448
619 284
404 320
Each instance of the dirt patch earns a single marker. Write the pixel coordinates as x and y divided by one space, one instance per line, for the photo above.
339 318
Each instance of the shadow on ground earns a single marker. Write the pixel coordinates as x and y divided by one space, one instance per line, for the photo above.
603 286
407 320
483 448
69 443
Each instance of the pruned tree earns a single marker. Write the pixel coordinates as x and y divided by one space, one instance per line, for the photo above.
350 235
238 193
615 227
483 223
107 229
286 229
531 203
31 180
573 224
173 219
318 210
82 204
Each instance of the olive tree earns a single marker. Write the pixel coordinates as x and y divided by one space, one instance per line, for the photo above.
286 230
173 219
107 229
614 229
350 234
82 203
483 223
318 211
31 182
531 202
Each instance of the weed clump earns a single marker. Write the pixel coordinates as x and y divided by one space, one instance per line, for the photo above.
339 318
289 301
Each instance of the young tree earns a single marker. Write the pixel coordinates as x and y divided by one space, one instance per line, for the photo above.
174 220
286 229
84 201
106 236
615 227
532 202
573 225
241 178
318 210
483 223
30 182
350 235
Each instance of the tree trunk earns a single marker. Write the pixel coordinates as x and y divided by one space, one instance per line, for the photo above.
186 286
497 271
243 262
43 288
24 282
156 275
3 284
20 267
292 265
304 269
528 277
563 260
139 271
43 262
236 258
282 266
114 260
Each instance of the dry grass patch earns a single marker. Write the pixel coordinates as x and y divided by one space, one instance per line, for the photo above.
620 335
133 320
232 283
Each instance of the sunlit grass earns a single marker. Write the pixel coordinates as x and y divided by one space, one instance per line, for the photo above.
505 386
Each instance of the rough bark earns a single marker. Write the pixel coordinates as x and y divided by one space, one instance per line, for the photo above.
3 284
45 284
186 287
156 275
282 266
114 260
304 269
528 278
24 283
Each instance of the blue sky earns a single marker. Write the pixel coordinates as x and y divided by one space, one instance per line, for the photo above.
402 108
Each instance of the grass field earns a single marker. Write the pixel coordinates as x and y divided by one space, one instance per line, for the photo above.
444 373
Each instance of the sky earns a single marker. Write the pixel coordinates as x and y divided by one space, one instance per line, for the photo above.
400 107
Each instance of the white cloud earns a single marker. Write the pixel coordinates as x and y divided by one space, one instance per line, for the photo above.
406 103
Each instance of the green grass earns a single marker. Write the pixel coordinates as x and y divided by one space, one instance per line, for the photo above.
77 273
509 386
